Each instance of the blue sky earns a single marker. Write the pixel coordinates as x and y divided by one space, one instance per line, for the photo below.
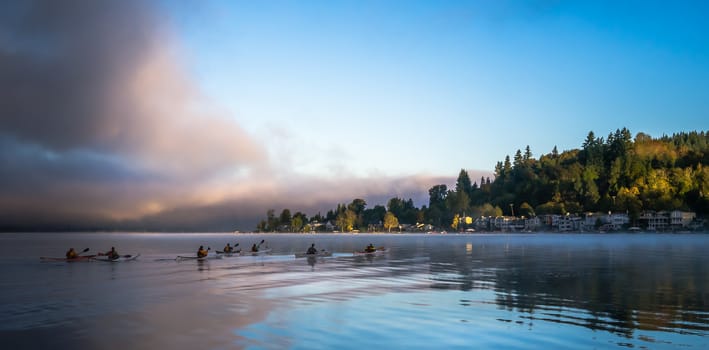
404 87
197 115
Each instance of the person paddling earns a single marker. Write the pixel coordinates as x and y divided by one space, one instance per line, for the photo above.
227 248
254 248
312 249
112 254
202 253
71 254
370 248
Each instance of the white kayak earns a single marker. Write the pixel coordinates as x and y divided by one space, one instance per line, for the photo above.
322 253
121 258
194 257
231 254
259 252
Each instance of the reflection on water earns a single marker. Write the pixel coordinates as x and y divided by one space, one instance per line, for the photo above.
482 291
619 288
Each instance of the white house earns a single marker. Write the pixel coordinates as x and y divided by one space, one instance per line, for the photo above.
681 219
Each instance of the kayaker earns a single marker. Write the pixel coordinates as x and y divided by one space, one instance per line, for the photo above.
227 248
71 254
254 248
312 249
201 253
112 254
370 248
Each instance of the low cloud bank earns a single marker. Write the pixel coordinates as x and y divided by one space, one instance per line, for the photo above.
102 128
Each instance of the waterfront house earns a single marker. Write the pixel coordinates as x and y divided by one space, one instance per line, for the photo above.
605 221
681 219
655 221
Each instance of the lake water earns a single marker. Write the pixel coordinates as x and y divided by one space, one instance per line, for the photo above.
485 291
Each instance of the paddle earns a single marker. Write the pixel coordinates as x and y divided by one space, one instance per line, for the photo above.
79 254
258 246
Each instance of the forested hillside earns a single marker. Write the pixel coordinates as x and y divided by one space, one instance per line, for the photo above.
618 173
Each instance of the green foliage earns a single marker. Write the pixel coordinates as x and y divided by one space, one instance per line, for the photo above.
374 216
346 220
437 195
296 224
526 210
456 222
617 173
458 202
390 221
463 183
285 217
298 221
549 208
271 221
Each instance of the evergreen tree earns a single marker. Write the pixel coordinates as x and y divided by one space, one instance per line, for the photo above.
527 154
463 182
518 159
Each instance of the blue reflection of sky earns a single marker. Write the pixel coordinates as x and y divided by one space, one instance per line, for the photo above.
438 319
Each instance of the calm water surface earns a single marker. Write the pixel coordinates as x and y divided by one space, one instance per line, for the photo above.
450 291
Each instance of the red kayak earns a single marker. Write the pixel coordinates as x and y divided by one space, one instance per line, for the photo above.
77 259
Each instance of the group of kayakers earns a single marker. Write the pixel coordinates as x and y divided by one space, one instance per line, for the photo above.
255 248
111 254
202 253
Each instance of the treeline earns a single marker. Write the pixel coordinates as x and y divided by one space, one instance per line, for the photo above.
616 173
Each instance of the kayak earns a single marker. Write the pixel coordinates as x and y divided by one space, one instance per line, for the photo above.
121 258
180 258
194 257
376 252
322 253
260 252
77 259
228 255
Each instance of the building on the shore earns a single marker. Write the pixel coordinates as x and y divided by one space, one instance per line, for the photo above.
605 221
682 219
665 220
532 224
591 222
